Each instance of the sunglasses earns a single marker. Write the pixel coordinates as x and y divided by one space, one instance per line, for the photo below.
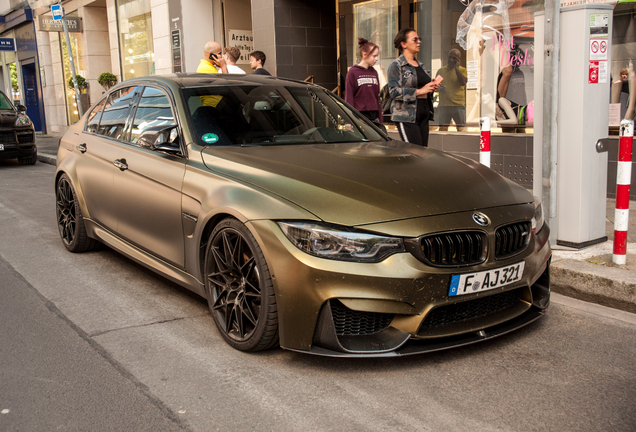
417 39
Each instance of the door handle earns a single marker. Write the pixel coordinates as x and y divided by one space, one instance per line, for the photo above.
121 164
81 148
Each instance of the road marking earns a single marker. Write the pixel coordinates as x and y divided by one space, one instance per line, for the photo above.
594 308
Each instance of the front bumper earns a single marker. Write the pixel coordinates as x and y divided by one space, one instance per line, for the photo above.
17 144
397 302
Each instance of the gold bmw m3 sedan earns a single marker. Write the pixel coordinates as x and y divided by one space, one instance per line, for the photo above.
302 224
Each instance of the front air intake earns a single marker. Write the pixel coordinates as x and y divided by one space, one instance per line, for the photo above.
512 239
348 322
454 249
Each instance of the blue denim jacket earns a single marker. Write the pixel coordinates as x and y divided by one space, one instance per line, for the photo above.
402 82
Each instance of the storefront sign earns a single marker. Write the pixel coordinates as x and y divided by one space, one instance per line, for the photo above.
174 10
7 44
176 51
48 24
244 41
566 3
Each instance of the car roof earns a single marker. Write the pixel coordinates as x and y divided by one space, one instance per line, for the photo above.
207 79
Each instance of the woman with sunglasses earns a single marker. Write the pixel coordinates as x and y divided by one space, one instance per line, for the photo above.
411 90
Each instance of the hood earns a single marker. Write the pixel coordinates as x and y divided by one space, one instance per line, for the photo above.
363 183
7 118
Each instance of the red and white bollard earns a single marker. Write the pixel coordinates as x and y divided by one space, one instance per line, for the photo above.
484 141
623 182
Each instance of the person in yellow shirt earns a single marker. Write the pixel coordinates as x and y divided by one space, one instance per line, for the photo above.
452 93
212 61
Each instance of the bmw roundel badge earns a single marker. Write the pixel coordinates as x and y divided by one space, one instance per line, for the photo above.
481 219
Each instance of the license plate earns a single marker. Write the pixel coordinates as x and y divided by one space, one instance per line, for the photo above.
1 147
469 283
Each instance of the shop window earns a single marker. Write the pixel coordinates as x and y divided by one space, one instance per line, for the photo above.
135 38
622 67
377 21
15 87
72 110
495 43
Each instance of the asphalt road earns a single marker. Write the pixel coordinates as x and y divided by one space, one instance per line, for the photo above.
95 342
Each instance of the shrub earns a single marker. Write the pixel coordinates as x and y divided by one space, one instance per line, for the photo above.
82 84
107 80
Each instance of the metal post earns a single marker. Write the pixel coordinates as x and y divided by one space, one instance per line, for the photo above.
69 50
484 141
623 183
550 110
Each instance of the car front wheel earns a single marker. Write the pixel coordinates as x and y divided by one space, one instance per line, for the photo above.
239 287
69 218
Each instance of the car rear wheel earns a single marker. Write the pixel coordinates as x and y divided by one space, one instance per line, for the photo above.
69 218
31 160
240 292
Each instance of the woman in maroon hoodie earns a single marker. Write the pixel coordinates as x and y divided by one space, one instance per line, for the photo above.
362 86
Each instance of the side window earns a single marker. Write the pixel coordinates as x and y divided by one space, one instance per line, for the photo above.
153 113
92 123
115 113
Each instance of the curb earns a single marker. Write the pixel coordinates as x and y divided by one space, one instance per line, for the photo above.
594 283
47 159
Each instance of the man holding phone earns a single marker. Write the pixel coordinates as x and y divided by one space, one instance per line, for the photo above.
212 61
452 93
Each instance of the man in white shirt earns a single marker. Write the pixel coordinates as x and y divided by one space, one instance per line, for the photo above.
231 55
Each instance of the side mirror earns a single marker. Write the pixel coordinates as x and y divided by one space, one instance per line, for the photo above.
21 108
166 139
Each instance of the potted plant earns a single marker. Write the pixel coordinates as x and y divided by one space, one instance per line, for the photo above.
107 80
82 84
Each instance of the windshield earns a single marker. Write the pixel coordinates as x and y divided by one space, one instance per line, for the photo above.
273 115
4 103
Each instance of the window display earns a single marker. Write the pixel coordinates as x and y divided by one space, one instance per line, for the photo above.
483 50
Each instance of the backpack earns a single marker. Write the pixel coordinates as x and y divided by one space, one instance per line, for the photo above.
385 100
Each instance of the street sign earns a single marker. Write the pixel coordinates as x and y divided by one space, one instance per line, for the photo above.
56 10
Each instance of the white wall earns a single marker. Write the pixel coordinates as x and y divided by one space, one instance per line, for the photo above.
198 28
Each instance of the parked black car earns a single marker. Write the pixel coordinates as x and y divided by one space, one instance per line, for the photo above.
17 135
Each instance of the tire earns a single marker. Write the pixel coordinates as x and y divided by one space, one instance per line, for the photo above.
239 288
69 218
31 160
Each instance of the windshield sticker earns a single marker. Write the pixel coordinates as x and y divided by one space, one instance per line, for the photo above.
315 98
210 138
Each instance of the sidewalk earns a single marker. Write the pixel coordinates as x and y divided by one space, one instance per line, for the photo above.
586 274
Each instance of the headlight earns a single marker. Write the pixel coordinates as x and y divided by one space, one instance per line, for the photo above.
537 219
23 120
332 243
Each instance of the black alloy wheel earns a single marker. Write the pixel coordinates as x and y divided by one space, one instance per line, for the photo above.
69 218
240 293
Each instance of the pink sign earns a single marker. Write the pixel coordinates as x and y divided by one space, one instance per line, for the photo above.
593 74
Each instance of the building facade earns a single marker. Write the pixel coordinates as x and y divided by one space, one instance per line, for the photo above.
303 39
